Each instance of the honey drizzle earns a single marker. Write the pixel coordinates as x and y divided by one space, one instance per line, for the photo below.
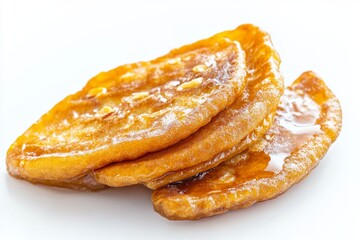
294 124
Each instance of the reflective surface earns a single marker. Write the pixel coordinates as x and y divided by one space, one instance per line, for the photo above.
307 121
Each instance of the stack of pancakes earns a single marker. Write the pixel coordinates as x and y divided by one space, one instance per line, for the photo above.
208 126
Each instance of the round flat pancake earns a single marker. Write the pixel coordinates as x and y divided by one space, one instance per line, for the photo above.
131 110
227 129
308 121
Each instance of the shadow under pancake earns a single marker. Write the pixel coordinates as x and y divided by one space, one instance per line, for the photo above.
106 204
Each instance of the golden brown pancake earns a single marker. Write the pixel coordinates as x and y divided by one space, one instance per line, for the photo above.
131 110
247 141
227 129
308 121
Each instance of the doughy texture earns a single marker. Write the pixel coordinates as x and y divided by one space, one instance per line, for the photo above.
131 110
308 120
227 129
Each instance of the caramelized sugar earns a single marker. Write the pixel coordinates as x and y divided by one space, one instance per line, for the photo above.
294 124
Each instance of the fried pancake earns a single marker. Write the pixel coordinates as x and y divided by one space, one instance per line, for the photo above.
228 128
131 110
308 121
247 141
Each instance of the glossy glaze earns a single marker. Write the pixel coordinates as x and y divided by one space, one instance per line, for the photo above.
307 122
294 125
131 110
224 132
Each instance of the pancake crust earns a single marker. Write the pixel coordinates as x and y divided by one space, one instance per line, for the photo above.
131 110
227 129
308 121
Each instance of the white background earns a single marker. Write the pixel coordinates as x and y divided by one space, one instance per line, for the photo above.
49 49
